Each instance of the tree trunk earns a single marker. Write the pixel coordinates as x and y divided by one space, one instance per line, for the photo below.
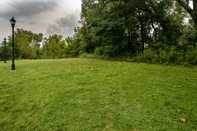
142 30
192 12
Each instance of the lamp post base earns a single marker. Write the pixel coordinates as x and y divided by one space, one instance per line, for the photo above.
13 67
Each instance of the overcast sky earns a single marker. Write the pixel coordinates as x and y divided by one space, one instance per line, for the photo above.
40 16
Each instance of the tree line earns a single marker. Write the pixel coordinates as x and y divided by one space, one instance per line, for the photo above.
29 45
156 31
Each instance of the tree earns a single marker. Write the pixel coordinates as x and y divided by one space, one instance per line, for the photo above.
125 27
191 11
54 47
27 44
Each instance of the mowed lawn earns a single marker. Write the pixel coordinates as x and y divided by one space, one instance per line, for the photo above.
97 95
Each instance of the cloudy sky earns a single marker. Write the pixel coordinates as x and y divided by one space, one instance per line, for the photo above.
40 16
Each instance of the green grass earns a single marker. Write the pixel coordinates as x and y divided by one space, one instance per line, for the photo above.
96 95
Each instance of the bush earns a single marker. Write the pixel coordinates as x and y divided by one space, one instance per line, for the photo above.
170 55
148 56
191 56
86 55
99 51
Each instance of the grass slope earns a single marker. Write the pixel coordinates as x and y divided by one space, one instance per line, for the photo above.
88 94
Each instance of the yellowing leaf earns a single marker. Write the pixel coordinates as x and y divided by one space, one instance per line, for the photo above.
183 120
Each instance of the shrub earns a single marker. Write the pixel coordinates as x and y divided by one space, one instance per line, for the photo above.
169 55
86 55
191 56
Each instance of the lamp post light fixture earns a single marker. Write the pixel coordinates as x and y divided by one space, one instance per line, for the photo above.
12 22
4 50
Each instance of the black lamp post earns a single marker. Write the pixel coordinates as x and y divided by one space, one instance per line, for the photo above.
4 50
12 22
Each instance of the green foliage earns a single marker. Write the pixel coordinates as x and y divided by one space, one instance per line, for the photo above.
88 95
191 56
188 39
155 31
5 52
27 44
169 55
54 47
191 11
124 28
86 55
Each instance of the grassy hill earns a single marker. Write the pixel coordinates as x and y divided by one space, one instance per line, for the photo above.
92 95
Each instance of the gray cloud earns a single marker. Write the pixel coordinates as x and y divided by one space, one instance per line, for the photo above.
32 23
64 25
40 16
29 8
